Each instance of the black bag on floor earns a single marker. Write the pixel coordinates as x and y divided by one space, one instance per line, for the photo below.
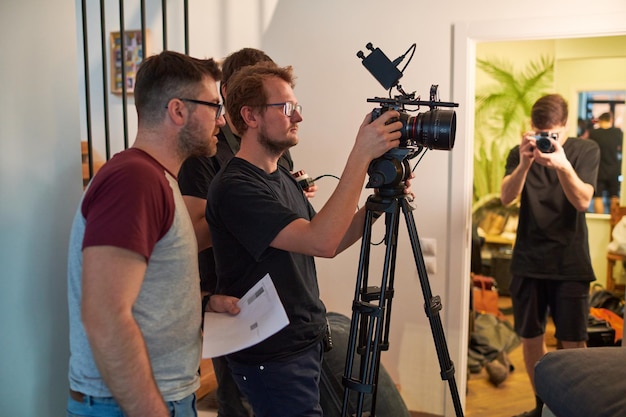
601 298
389 403
600 333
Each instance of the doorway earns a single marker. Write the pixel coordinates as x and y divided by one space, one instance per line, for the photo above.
466 37
601 118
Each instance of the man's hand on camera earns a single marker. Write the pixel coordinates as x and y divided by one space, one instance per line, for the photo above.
527 149
377 137
310 191
556 160
407 189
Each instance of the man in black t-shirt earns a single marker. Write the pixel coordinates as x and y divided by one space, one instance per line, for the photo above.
551 266
194 179
261 223
609 139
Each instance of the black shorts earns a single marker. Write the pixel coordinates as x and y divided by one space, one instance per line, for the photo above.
566 301
611 186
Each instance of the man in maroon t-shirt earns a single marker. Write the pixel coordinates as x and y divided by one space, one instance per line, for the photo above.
133 274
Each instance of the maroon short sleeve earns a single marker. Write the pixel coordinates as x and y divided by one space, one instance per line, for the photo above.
129 204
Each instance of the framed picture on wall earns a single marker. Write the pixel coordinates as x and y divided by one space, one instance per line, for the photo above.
132 56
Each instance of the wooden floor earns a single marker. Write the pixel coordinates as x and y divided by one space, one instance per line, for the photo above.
514 395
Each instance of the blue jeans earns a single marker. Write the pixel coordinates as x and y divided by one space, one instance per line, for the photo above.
108 407
288 388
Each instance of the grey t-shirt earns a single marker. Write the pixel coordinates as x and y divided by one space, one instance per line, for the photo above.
134 203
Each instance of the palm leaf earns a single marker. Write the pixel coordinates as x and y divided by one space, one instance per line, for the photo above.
502 114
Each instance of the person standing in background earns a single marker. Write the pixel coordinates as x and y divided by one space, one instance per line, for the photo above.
584 127
609 138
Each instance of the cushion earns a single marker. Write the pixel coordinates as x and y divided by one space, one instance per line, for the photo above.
583 382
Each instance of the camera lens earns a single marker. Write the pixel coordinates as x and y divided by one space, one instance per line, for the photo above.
544 145
434 129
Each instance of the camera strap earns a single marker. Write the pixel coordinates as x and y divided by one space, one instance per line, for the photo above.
232 141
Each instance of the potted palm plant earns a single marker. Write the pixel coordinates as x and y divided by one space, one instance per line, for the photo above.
502 114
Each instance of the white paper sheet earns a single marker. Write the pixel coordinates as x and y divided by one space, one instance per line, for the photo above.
262 315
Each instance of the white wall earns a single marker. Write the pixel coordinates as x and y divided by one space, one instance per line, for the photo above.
40 169
40 183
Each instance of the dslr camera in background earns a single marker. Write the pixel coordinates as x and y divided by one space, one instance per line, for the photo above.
542 140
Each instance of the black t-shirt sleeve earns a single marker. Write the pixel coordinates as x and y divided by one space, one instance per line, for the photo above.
195 175
512 160
252 214
586 162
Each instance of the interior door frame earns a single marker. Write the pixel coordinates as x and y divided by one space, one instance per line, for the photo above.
466 34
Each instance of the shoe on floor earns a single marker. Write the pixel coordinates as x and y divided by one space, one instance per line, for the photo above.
498 369
497 372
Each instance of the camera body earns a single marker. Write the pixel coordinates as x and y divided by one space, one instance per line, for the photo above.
542 140
432 129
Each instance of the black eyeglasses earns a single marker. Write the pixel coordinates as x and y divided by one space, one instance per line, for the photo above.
288 107
217 106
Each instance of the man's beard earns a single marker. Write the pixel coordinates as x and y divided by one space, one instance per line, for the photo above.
274 147
192 142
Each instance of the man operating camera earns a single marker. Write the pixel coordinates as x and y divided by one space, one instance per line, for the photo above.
261 222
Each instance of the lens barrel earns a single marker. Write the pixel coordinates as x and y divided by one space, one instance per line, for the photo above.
434 129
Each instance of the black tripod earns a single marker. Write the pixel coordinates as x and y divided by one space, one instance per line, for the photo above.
371 308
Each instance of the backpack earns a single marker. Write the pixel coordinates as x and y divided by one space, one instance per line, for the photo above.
602 298
389 402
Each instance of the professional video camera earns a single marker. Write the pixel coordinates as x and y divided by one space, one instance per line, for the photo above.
433 129
372 305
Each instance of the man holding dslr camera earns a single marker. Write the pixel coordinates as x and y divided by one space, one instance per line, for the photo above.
551 266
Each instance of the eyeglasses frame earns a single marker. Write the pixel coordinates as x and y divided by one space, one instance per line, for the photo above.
294 107
217 106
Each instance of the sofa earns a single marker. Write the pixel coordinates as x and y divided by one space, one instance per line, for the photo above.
583 382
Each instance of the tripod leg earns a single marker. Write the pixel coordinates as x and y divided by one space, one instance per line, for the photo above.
369 315
371 311
352 340
432 307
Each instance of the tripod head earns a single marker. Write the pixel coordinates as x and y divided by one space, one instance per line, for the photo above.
389 172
